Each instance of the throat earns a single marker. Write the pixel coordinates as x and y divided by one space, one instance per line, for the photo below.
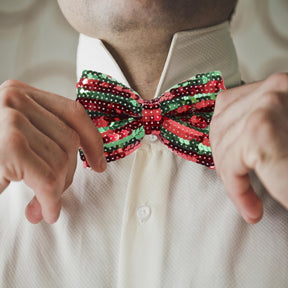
147 88
142 66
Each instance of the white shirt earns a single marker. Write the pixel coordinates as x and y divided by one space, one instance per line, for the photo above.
151 219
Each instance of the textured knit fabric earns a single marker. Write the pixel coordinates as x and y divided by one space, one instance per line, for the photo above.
151 219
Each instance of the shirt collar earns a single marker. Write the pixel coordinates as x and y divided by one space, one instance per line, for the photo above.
191 52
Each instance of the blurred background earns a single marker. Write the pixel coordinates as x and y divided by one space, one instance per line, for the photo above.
38 46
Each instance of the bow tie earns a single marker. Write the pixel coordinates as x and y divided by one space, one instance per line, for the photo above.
180 118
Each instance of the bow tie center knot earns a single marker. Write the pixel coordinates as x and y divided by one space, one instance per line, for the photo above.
151 117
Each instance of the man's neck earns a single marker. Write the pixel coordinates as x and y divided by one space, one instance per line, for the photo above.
142 62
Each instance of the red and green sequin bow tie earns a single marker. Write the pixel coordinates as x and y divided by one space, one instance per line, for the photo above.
179 118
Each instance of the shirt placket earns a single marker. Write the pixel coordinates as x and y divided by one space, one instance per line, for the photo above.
144 219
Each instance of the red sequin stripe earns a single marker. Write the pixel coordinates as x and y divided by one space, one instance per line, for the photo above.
86 83
120 133
185 132
193 156
197 121
213 86
121 152
204 106
103 121
105 87
105 107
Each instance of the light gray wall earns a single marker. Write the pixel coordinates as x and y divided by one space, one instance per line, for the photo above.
37 45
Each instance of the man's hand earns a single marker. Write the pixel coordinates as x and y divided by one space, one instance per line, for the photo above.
249 131
40 134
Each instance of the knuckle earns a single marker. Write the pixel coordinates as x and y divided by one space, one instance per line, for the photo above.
7 94
272 100
262 125
60 163
256 119
278 81
11 172
12 97
11 83
14 142
50 181
12 118
263 131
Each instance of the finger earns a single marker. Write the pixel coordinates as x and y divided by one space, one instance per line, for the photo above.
233 161
275 180
71 112
62 163
33 211
45 147
233 119
262 147
42 119
74 114
272 164
234 174
276 82
227 97
223 135
46 188
234 110
35 172
243 196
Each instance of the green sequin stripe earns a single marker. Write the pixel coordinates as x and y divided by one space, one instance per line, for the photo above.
137 134
94 114
199 79
116 125
187 145
130 103
187 124
170 105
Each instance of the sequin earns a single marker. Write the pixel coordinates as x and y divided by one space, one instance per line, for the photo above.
180 117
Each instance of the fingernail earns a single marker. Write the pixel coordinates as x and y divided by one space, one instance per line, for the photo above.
52 213
252 218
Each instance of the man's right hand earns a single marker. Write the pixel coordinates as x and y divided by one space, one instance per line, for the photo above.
40 133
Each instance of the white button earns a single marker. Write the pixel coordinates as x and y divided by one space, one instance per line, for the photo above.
152 138
143 213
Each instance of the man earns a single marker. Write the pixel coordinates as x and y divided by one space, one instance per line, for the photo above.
151 219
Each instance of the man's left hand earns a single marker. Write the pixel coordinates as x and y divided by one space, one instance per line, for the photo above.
249 131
